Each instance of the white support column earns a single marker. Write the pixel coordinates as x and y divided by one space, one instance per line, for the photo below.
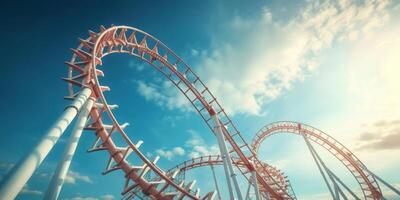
215 181
221 144
226 158
61 172
344 185
256 189
21 173
337 190
319 166
247 197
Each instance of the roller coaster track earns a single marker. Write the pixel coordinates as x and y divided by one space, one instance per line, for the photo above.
141 173
84 73
366 180
214 160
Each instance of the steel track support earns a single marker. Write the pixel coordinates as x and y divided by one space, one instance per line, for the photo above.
337 190
318 165
383 181
256 189
344 185
332 176
57 181
248 192
21 173
229 173
215 181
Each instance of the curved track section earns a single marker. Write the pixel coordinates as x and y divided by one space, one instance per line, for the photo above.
368 184
217 160
180 170
83 72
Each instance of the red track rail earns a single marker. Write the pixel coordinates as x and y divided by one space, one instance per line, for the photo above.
83 72
204 161
216 160
368 184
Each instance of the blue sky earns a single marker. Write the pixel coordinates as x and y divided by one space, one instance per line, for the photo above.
330 64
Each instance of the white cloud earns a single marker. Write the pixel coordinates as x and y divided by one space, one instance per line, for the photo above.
107 197
260 58
5 167
82 198
27 190
198 147
72 177
382 135
103 197
256 59
164 95
137 66
374 71
170 154
31 192
318 196
179 151
194 52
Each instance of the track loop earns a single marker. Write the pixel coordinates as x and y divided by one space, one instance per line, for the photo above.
84 72
366 180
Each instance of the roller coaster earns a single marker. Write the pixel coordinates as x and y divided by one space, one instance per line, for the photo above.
143 178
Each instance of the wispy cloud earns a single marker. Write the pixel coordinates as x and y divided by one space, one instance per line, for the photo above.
137 66
255 59
73 177
107 197
103 197
198 146
170 154
82 198
382 135
163 94
5 167
28 191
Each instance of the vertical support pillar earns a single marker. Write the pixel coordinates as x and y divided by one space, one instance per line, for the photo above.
248 191
344 185
221 144
256 189
337 189
318 165
225 155
215 181
21 173
59 176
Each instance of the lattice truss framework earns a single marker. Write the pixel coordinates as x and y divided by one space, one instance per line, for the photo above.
142 174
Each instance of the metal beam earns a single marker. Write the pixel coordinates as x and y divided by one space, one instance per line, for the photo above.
222 146
344 185
248 191
215 181
383 181
20 174
57 181
318 165
331 175
226 159
256 189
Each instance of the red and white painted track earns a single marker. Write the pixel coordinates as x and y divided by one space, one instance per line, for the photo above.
84 72
214 160
217 160
368 184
